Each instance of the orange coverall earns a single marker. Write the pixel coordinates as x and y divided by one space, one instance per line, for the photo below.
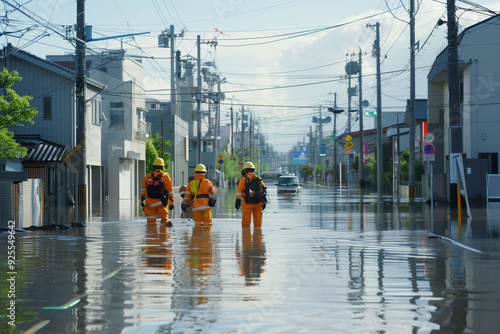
198 194
154 206
247 209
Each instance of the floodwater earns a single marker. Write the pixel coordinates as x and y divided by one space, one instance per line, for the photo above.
326 262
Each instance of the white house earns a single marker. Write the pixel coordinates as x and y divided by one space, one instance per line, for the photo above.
124 128
479 73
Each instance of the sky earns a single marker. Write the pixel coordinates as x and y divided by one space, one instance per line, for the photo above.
283 60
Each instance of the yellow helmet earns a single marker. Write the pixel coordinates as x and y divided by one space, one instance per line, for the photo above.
248 165
201 168
159 162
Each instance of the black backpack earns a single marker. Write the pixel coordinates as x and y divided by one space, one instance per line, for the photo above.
254 191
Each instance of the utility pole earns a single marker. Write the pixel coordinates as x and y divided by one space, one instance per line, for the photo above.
198 98
453 78
411 114
455 118
320 143
349 105
217 127
335 139
380 148
242 133
172 74
81 208
232 128
361 162
380 152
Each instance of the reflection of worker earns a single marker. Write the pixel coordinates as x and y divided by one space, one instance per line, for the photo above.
197 195
157 194
201 256
158 254
253 193
201 261
251 257
188 213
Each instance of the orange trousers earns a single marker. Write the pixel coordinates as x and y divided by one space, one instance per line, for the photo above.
202 216
154 209
249 211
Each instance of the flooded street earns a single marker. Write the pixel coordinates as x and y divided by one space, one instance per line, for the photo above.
326 262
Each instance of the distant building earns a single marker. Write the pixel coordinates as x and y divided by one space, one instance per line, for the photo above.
174 129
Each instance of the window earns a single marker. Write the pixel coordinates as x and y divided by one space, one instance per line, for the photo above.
47 107
52 181
117 119
96 112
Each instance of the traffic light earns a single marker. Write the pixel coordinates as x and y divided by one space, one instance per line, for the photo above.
322 154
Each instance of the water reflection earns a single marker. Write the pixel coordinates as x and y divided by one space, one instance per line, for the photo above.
197 286
158 250
251 255
339 264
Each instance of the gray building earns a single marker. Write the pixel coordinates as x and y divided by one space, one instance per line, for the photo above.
174 129
53 90
123 126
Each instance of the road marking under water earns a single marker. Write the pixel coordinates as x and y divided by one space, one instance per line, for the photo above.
457 243
38 326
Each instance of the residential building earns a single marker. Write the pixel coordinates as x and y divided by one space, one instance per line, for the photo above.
479 88
174 129
53 90
124 129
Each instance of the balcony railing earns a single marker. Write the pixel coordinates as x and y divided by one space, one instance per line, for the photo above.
143 131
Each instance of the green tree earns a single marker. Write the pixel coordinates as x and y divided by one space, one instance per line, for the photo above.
14 110
404 169
151 156
306 172
232 169
156 141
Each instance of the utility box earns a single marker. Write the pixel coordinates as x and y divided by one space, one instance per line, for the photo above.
29 204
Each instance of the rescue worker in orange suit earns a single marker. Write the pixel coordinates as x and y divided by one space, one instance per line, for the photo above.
157 194
249 209
197 196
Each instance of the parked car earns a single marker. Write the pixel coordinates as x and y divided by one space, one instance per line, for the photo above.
288 186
